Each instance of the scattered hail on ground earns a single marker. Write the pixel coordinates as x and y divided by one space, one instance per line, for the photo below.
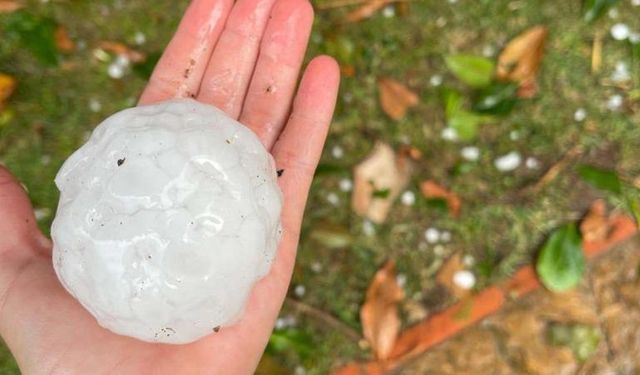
168 216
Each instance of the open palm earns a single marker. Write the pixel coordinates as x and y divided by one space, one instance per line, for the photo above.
245 59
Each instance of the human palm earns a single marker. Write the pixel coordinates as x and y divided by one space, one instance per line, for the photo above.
243 58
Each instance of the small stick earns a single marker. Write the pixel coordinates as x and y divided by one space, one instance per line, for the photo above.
325 317
596 53
555 169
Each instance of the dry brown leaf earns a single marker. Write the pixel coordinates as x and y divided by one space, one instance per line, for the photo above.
63 42
378 180
446 273
379 314
521 58
432 190
7 86
366 10
595 225
124 50
9 6
395 98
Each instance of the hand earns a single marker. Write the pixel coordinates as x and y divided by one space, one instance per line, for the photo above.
245 59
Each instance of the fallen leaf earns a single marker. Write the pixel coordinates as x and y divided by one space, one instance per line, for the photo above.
367 10
378 180
7 86
561 263
521 58
395 98
475 71
9 6
118 48
63 42
594 9
379 314
445 275
595 225
432 190
596 53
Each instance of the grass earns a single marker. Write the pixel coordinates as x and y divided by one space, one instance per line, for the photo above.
500 226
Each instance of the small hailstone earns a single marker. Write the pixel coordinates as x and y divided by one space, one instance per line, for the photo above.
439 250
615 102
337 152
580 114
508 162
167 218
634 37
408 198
449 134
470 153
488 51
432 235
45 159
345 185
514 135
316 267
280 324
139 38
452 1
389 11
95 105
468 261
435 80
123 60
620 31
621 72
532 163
613 13
41 213
401 279
441 22
116 71
464 279
347 97
635 3
333 199
445 236
368 228
299 291
299 370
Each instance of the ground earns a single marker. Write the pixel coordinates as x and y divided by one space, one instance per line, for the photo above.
502 223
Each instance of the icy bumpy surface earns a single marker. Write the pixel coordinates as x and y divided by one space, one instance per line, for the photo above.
168 216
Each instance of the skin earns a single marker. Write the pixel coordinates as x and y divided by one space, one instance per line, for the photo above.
244 58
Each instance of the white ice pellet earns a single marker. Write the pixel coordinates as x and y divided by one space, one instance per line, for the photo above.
41 213
615 102
316 267
45 159
299 291
167 218
116 71
333 199
139 38
449 134
445 236
368 228
408 198
580 114
95 105
532 163
508 162
464 279
401 279
432 235
435 80
389 11
337 152
620 31
345 185
514 135
621 72
488 51
635 3
468 261
470 153
634 37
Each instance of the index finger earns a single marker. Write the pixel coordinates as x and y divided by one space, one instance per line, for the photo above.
182 65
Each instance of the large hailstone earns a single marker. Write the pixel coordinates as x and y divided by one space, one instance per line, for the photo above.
168 216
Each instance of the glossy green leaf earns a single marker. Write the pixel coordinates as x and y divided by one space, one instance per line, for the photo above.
36 34
452 102
561 263
594 9
475 71
290 339
600 178
466 124
497 99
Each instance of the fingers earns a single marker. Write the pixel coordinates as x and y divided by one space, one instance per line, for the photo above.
298 149
180 70
229 70
282 50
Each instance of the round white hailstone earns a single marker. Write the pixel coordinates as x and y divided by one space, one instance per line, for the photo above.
337 152
635 3
408 198
389 11
620 31
580 114
514 135
140 38
634 37
532 163
316 267
368 228
449 134
432 235
621 72
470 153
116 71
333 199
95 105
508 162
468 260
439 250
41 213
45 159
488 51
345 185
167 218
615 102
401 280
613 13
299 291
445 236
464 279
435 80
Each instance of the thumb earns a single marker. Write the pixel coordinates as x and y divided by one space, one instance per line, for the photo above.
18 227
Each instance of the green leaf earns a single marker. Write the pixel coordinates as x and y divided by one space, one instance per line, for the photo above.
582 339
497 99
634 205
452 102
475 71
290 339
381 193
37 34
594 9
144 69
600 178
331 236
466 124
561 262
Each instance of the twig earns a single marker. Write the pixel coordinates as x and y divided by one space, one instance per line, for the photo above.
596 53
555 169
345 3
325 317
